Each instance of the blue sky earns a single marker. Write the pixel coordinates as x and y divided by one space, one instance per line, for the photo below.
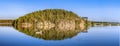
96 10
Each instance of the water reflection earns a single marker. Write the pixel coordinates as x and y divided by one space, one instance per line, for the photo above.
49 31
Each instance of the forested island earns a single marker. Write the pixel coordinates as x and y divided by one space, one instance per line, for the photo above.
50 18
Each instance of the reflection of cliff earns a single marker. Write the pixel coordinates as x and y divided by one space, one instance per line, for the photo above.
54 33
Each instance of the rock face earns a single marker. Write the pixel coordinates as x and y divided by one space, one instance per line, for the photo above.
66 25
50 24
46 25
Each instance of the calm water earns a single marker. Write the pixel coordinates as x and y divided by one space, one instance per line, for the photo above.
96 36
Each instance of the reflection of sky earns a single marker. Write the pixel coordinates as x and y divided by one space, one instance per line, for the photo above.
98 10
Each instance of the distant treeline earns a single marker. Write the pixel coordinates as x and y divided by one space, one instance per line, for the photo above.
105 23
6 21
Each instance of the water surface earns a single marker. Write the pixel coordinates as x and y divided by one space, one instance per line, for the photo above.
96 36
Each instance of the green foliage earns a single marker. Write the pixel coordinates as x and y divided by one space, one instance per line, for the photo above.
48 14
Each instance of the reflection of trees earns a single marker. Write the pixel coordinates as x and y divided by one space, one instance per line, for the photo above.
52 34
